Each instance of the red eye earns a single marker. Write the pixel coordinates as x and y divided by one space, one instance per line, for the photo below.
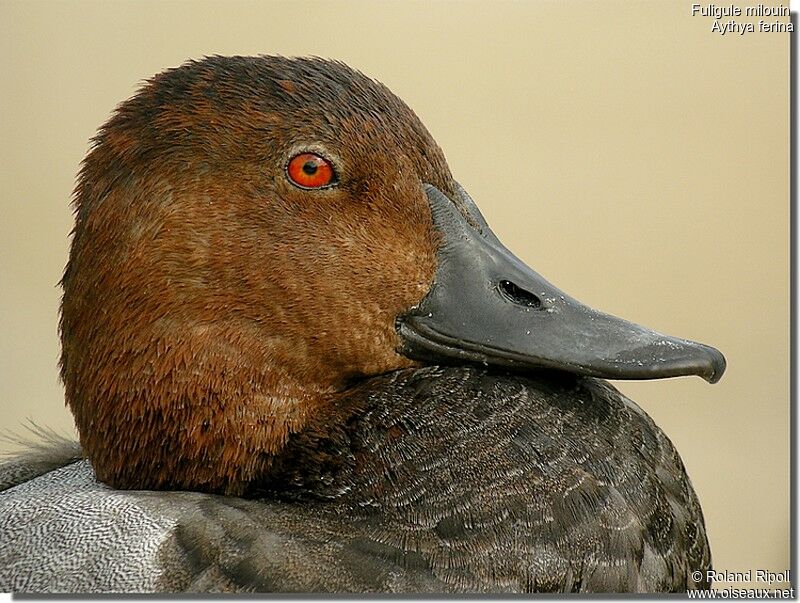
309 170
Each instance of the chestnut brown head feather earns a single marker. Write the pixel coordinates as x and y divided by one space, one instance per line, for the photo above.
211 308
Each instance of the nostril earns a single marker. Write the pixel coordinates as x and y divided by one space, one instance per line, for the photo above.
518 295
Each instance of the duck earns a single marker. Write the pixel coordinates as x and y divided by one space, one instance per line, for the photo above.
299 360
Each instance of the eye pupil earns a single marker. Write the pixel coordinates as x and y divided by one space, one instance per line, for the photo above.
310 168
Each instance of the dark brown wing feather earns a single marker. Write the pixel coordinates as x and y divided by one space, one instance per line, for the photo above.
460 479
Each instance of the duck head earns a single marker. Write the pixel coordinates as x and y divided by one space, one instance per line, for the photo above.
253 236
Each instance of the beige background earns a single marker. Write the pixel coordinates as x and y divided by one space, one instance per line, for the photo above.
632 156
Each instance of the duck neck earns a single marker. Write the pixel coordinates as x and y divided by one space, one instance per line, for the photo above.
204 416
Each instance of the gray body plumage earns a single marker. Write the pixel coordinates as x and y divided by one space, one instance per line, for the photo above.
441 480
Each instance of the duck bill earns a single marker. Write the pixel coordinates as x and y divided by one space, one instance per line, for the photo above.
487 306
